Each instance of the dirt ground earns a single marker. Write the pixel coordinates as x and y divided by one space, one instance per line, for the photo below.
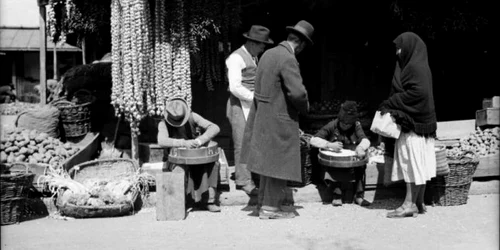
474 225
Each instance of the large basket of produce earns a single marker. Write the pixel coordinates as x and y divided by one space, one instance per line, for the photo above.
305 162
15 181
37 150
98 188
75 114
453 189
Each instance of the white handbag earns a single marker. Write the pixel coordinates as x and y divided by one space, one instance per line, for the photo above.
385 125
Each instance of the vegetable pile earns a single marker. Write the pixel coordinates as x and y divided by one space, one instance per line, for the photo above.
96 192
481 142
332 107
325 107
16 108
375 151
30 146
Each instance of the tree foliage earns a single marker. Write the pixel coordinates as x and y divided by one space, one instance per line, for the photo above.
430 17
79 17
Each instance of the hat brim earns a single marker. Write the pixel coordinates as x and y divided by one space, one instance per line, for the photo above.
178 123
269 41
292 29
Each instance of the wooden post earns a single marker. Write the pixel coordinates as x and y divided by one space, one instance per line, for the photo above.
134 147
171 195
14 75
84 60
56 70
43 51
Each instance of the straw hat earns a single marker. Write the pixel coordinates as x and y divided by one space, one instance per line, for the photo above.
177 112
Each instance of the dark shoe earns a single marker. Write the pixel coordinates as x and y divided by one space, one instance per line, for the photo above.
213 208
250 190
362 202
265 215
421 208
401 212
337 202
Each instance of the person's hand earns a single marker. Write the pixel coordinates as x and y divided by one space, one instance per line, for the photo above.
198 143
191 143
360 152
335 146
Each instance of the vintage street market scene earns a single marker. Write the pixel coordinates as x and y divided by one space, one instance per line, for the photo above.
248 124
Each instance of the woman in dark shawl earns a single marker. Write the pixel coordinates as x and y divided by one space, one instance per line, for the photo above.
411 103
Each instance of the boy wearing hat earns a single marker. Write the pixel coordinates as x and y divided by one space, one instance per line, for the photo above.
179 129
241 67
344 132
271 144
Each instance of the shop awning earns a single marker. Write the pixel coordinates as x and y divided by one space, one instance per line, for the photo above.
22 39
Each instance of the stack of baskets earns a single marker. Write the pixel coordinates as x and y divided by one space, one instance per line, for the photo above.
305 162
76 114
453 189
15 184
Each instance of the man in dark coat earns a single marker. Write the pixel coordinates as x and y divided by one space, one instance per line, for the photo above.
271 145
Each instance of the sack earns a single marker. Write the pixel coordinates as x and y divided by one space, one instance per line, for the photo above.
442 167
385 125
44 119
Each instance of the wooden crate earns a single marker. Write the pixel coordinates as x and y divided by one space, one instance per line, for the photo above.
488 166
489 116
151 152
88 148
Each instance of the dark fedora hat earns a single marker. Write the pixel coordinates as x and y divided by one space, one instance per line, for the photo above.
304 29
259 34
177 112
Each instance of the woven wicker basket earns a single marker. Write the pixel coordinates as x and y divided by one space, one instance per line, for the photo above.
305 162
453 189
75 114
15 185
107 169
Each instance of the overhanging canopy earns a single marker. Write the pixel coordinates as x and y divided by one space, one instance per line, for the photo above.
22 39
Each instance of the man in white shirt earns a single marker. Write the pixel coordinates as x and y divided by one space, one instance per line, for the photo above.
241 68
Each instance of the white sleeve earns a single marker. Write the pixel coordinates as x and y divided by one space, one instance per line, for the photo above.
319 142
235 64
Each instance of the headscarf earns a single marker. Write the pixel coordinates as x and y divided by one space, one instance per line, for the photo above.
348 113
412 101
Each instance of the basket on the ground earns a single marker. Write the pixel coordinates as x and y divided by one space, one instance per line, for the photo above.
15 184
75 114
305 162
453 189
106 169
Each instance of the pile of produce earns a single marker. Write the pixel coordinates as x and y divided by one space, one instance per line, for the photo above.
15 108
325 107
96 192
332 107
30 146
481 142
376 151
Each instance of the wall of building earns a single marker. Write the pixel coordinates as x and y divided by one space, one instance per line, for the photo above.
19 13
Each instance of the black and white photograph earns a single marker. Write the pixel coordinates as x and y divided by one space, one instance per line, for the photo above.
249 124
